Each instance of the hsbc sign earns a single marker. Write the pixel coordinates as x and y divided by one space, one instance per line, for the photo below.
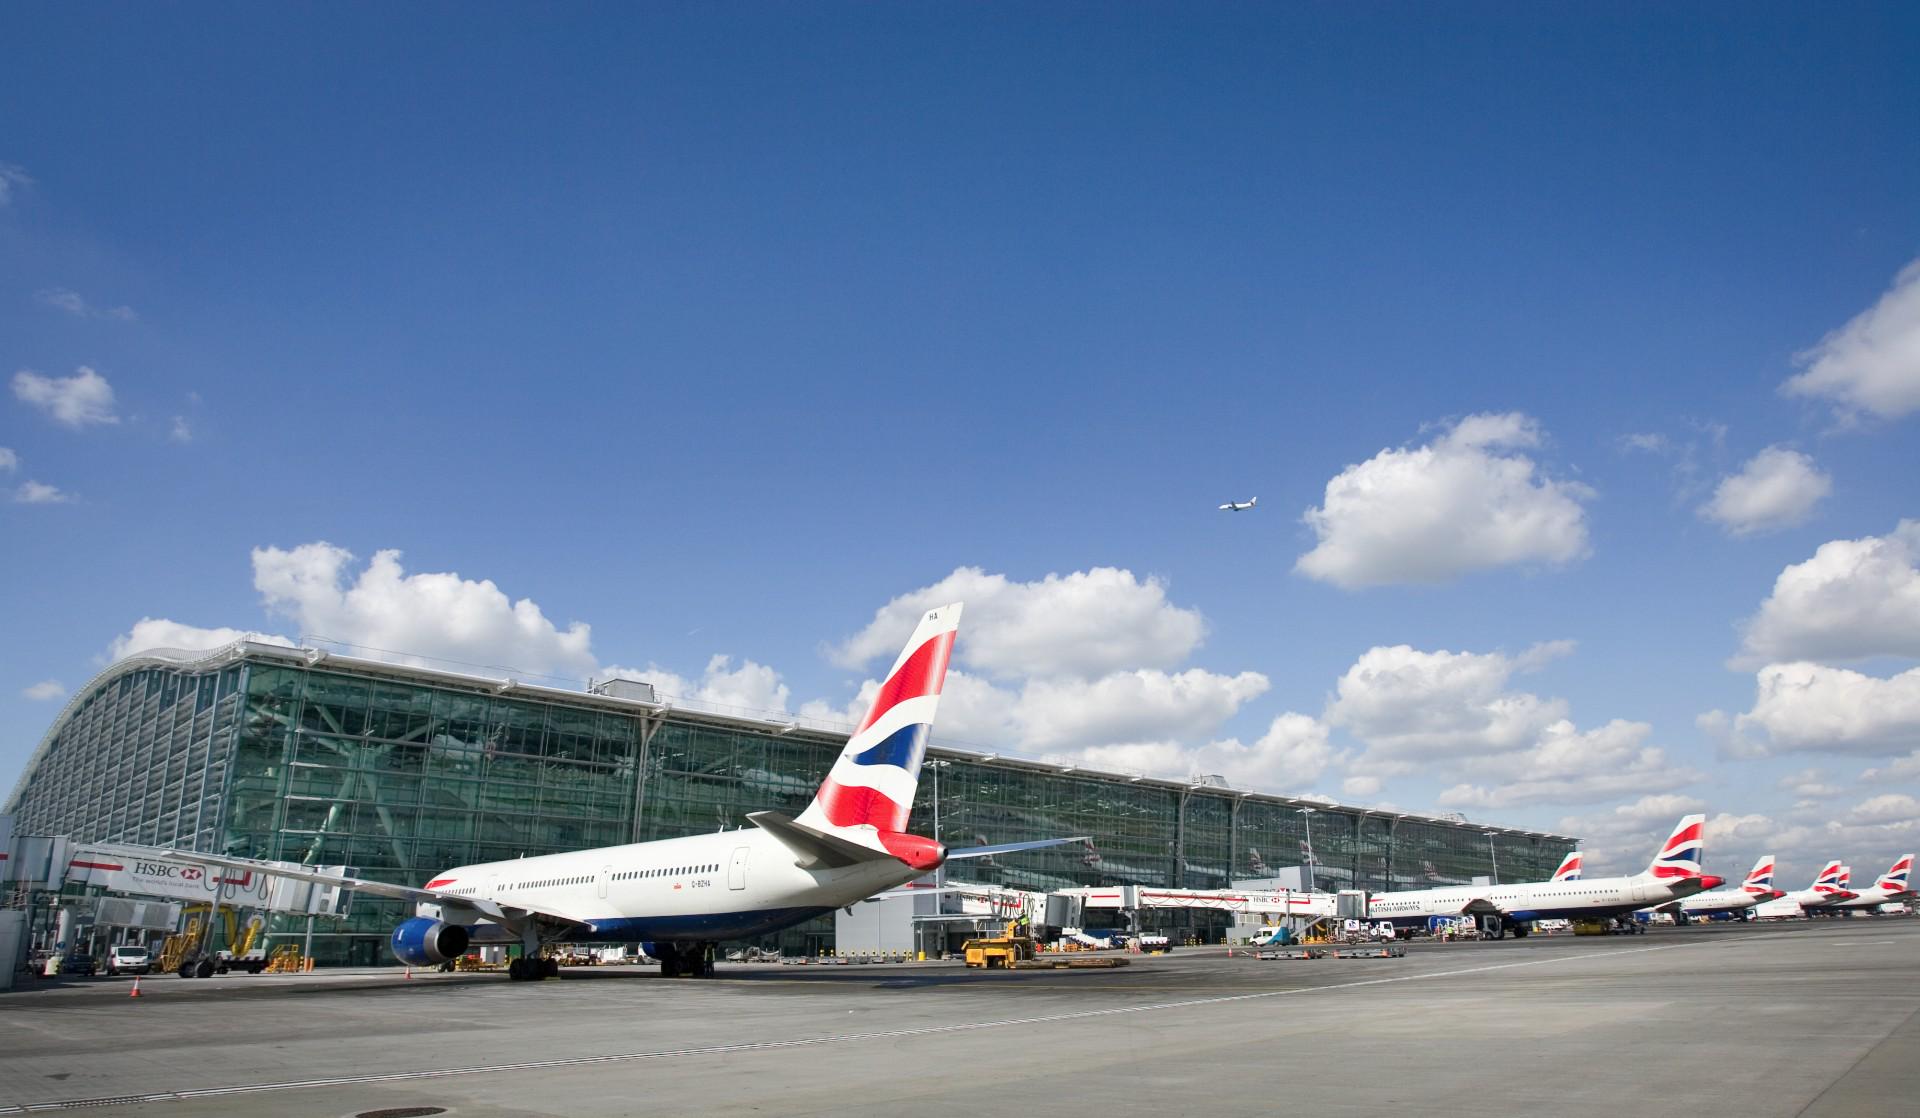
145 877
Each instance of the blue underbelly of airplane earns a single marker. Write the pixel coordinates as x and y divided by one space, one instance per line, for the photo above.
701 926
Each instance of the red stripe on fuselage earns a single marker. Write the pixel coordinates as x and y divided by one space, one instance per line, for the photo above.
922 674
440 881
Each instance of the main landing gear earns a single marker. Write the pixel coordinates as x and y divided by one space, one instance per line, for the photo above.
533 970
685 960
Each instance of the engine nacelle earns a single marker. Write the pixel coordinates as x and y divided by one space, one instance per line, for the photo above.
424 942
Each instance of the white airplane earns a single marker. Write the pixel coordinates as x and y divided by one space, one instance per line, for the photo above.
1825 892
1757 889
1239 506
678 897
1890 889
1569 868
1673 874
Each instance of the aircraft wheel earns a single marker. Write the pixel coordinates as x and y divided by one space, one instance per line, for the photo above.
517 969
550 968
204 970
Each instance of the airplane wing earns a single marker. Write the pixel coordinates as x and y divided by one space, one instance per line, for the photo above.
487 908
813 848
1008 847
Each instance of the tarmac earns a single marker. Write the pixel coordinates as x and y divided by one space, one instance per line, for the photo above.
1813 1018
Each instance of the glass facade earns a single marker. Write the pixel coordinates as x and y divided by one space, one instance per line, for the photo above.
399 772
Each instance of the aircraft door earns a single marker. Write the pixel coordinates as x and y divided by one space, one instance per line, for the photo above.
737 869
606 875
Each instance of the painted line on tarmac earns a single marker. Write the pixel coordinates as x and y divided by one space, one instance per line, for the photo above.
779 1045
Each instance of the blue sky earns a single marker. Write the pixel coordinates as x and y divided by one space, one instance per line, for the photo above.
739 331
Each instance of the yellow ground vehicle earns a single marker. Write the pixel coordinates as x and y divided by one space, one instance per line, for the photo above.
186 952
1004 951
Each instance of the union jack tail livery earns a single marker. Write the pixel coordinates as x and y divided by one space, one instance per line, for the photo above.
1760 880
869 792
1680 857
1895 879
1831 879
1569 869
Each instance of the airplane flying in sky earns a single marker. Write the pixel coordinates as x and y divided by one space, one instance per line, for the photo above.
1755 890
1891 888
1239 506
679 897
1673 874
1825 892
1569 868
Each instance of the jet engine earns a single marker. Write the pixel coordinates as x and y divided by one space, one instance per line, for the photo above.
425 942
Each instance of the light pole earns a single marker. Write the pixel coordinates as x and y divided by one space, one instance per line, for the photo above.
1306 813
940 874
1493 856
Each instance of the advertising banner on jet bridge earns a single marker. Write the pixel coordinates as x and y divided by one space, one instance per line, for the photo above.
184 881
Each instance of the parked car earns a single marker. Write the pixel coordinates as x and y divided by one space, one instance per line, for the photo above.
79 964
129 959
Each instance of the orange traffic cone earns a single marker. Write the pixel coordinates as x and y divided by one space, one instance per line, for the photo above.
135 992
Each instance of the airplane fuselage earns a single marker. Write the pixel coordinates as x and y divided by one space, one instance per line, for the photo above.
1591 898
729 885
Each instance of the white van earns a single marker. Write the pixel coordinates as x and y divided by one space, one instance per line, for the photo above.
129 959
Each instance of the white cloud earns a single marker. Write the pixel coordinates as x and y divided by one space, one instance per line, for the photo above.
1645 442
1291 755
750 688
75 401
433 616
1055 714
1853 600
180 432
1805 707
1571 766
1872 364
71 302
40 493
44 690
1466 501
1900 768
1809 784
9 461
1777 488
1889 807
11 176
1086 624
155 633
1405 703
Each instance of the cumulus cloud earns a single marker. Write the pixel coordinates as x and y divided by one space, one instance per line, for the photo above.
1646 442
71 302
1065 713
45 690
9 461
180 432
1806 707
1809 784
1086 624
426 616
1468 501
1889 807
1292 754
11 177
40 493
750 688
1901 768
1777 488
1853 600
1571 766
1872 364
150 633
1406 703
76 401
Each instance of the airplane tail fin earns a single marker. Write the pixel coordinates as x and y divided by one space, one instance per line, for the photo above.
1895 879
1680 855
869 791
1569 868
1760 879
1253 502
1846 878
1829 879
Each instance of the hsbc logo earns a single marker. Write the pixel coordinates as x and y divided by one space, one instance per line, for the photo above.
169 872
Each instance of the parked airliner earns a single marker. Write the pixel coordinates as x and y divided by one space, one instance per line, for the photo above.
1756 889
680 896
1673 874
1890 889
1825 892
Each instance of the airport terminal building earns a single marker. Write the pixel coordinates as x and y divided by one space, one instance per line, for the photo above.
308 756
